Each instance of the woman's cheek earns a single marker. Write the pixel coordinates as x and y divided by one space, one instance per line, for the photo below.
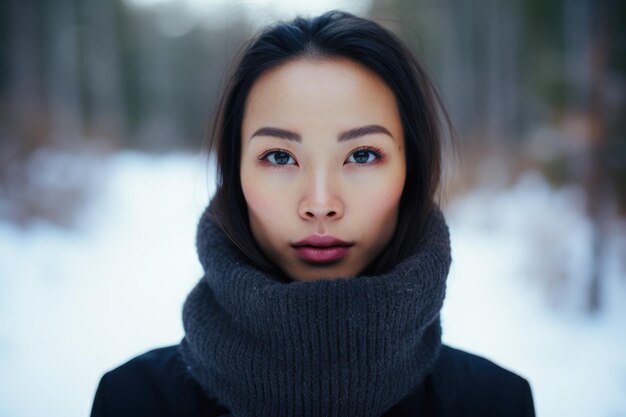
268 196
377 182
383 205
259 195
381 196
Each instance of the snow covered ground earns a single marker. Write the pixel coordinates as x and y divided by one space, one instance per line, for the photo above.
74 304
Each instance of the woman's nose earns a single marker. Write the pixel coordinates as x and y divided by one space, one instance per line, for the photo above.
321 200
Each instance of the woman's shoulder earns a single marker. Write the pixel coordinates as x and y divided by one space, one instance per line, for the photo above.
155 383
470 384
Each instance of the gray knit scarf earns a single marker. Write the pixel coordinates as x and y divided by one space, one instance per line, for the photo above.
345 347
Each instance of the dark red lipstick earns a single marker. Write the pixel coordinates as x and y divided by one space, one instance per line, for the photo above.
321 248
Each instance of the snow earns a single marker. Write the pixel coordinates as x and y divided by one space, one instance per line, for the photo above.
504 246
76 303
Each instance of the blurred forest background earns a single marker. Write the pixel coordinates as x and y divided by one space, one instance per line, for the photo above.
104 107
530 84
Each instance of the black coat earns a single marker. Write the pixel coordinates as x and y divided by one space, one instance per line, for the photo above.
156 384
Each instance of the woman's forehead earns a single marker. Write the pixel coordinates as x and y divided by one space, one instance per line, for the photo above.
333 94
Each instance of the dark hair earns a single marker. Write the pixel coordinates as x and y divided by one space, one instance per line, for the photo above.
333 34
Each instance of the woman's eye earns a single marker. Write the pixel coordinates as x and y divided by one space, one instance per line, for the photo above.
279 158
363 156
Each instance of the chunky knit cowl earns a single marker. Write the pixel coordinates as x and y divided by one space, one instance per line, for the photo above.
345 347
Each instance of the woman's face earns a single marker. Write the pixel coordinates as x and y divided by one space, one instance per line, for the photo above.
322 157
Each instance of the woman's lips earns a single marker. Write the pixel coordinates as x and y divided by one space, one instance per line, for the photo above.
321 248
321 254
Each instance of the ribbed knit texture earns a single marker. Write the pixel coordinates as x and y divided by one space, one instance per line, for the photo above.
344 347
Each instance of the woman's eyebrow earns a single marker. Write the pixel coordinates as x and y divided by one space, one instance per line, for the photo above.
347 135
362 131
277 133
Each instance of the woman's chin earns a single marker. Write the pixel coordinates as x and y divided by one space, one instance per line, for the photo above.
320 272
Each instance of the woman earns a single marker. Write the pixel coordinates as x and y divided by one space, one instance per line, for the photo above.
325 256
